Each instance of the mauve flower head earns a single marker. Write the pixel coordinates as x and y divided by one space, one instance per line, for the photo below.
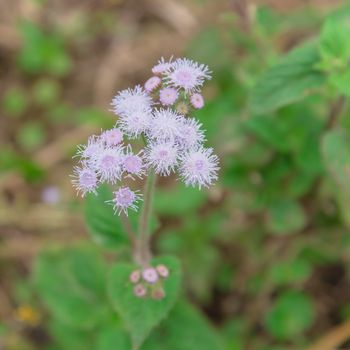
123 199
168 96
112 137
84 180
135 123
108 164
152 83
161 66
133 163
131 100
93 147
191 133
140 290
150 275
199 167
197 101
162 157
187 74
165 125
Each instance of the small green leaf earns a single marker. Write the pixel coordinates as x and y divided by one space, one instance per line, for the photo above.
71 282
334 44
341 81
184 328
292 313
285 217
290 80
103 224
141 315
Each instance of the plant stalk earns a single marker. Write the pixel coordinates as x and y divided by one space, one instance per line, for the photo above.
142 249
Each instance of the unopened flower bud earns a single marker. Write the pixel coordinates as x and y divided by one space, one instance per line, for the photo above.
135 276
162 271
140 290
158 293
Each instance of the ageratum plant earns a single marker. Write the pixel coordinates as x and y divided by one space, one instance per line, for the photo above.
155 135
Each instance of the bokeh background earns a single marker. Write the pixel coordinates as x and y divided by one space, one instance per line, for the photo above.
265 252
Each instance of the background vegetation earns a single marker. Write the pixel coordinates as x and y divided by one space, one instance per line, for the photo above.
265 253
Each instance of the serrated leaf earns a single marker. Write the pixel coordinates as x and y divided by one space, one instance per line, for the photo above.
185 328
71 283
113 338
141 315
290 80
292 313
103 224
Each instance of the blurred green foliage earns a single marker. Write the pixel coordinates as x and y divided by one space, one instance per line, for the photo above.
251 248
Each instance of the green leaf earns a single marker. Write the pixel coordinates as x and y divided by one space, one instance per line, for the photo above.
292 314
341 81
184 328
71 283
290 80
334 44
69 338
141 315
285 217
103 224
113 338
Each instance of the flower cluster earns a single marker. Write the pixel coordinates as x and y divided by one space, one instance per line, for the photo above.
149 281
158 115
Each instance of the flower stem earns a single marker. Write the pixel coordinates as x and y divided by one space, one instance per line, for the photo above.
143 252
128 229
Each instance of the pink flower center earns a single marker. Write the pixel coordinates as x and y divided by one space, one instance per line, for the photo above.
163 154
124 197
109 162
185 78
133 164
199 165
88 179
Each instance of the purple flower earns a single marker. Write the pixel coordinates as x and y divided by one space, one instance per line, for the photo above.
168 96
165 125
124 199
135 123
161 66
199 167
197 101
112 137
108 164
191 134
131 100
133 163
152 83
84 180
93 146
187 74
162 156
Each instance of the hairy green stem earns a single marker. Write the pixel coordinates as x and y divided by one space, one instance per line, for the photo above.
143 251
